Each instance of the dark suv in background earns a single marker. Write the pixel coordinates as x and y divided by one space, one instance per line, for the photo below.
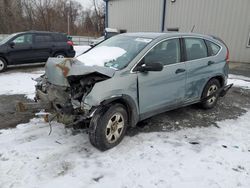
33 47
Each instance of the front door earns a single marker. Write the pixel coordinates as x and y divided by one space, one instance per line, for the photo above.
159 91
20 49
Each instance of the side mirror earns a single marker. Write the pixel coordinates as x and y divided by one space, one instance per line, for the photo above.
149 67
12 44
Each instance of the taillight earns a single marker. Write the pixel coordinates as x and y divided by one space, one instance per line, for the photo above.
227 56
70 43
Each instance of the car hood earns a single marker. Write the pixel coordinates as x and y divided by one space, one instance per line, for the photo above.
57 70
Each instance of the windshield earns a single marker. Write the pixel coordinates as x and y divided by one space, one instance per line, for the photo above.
116 52
7 38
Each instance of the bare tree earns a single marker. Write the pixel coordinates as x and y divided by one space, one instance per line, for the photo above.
98 17
51 15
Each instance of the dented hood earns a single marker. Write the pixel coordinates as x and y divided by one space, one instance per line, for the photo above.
57 70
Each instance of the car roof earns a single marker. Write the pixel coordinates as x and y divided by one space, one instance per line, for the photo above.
38 32
156 35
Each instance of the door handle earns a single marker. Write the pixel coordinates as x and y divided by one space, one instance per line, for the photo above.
210 63
179 71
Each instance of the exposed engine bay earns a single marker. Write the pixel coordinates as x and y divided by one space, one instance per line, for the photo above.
67 102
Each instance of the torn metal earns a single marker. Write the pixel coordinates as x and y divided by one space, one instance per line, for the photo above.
63 88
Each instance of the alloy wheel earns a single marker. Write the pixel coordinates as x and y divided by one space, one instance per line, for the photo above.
211 90
115 128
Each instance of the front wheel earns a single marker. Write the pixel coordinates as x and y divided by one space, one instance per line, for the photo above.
212 86
108 129
3 65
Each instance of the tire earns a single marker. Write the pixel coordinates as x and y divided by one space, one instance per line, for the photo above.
3 65
107 129
60 55
212 86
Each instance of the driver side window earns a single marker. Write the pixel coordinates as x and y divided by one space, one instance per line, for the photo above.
23 39
166 53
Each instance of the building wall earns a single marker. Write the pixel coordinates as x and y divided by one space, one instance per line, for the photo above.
135 15
227 19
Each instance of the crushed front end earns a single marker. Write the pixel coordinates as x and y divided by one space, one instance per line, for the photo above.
62 89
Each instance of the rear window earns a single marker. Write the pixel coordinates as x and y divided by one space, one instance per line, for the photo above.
43 38
195 48
213 48
60 37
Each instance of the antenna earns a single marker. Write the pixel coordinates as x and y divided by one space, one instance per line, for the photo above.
192 28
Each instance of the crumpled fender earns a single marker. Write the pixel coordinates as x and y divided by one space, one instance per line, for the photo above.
58 69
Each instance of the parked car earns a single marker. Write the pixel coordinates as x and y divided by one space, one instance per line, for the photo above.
33 47
131 77
108 33
96 41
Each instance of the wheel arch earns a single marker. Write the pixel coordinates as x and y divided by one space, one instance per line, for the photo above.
130 106
220 78
4 58
59 52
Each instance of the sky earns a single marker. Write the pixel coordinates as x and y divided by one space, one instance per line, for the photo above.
86 3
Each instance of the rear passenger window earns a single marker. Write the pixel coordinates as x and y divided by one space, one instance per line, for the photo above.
43 38
195 48
213 48
166 53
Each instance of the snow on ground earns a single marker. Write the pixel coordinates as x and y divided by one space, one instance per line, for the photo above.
80 49
208 157
239 81
31 158
19 83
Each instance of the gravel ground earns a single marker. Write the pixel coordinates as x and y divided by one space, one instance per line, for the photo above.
229 107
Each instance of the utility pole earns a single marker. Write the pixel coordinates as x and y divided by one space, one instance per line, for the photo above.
68 4
68 24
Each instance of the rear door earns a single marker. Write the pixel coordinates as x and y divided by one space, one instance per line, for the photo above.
162 90
21 50
42 47
200 64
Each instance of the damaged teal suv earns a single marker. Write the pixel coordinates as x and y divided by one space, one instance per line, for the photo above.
131 77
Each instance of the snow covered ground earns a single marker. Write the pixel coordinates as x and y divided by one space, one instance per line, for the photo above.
193 157
19 83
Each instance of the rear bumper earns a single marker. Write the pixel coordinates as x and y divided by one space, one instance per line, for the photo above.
71 53
225 89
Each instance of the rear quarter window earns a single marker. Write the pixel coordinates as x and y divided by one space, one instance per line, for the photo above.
213 48
60 38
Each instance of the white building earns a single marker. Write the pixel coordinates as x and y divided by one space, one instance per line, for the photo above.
227 19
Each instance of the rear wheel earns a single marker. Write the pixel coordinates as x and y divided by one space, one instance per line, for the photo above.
3 65
108 129
59 55
212 86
